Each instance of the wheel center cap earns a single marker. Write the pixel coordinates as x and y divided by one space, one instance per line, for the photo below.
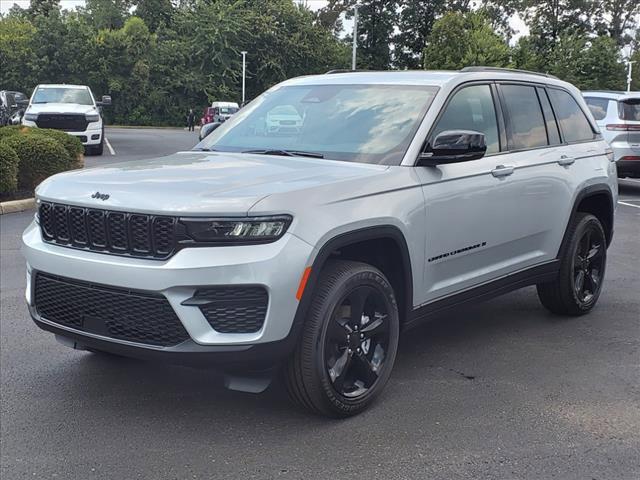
354 340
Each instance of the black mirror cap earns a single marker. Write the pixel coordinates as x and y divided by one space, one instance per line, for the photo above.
106 100
453 146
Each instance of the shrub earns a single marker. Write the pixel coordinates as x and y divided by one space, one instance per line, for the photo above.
40 157
11 130
71 143
9 162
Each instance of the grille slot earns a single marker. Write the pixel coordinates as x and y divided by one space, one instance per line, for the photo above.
237 309
136 235
68 122
116 313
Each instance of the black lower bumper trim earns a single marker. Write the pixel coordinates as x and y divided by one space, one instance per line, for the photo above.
188 353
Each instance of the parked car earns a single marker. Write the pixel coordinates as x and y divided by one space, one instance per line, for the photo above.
12 105
219 112
71 108
207 128
618 116
284 119
401 195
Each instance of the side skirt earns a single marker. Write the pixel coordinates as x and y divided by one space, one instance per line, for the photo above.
514 281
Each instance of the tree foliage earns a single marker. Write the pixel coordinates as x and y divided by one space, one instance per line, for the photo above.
464 39
158 58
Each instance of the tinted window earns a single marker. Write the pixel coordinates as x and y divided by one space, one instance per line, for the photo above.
472 108
552 126
63 95
525 122
629 109
573 122
598 106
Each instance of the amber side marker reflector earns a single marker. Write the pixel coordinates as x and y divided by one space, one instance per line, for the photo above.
303 283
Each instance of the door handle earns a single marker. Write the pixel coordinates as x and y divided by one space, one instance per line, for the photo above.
566 160
502 171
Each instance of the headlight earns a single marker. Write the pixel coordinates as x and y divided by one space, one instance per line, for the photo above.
32 117
92 117
237 230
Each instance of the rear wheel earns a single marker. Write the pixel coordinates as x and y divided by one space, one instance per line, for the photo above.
582 265
349 343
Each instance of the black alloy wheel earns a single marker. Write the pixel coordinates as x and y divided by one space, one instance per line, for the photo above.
357 341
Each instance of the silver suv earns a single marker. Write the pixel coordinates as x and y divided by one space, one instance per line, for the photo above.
401 194
618 116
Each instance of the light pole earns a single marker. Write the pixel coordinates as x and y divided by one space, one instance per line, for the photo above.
244 72
629 67
355 37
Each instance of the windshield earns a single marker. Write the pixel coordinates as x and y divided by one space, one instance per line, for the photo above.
358 123
63 95
629 109
228 110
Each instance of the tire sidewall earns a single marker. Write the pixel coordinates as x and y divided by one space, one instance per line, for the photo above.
366 277
585 223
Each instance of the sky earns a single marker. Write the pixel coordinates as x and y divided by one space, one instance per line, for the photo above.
516 23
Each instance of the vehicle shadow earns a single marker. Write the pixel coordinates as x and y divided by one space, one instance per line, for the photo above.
132 390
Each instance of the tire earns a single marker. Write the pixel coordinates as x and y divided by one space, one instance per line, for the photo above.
577 287
98 149
342 362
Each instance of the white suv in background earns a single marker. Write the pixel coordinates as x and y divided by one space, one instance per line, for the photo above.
71 108
309 250
618 116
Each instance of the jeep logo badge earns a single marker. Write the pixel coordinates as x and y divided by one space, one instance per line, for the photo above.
101 196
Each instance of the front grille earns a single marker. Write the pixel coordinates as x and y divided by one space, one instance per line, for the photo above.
111 312
132 234
69 122
233 309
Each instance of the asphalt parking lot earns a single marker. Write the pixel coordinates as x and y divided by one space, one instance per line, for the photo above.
498 390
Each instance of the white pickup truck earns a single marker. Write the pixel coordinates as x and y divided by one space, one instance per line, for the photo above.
71 108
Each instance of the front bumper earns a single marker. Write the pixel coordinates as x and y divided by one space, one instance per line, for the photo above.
276 266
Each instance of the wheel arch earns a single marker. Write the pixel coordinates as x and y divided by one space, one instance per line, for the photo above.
357 245
597 200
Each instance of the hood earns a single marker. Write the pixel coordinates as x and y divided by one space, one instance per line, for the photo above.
197 183
60 108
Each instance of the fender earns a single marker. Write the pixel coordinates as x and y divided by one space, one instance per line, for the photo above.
600 188
368 233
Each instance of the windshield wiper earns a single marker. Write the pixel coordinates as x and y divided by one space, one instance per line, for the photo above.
286 153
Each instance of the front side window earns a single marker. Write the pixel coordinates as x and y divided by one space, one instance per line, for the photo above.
598 106
526 124
358 123
63 95
471 108
573 122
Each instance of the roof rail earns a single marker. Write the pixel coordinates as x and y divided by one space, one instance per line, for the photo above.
501 69
348 70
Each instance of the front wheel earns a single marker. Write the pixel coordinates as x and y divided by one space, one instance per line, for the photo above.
577 287
349 343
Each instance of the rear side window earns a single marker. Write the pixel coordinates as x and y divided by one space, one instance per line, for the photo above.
471 108
598 106
573 122
550 120
526 126
629 109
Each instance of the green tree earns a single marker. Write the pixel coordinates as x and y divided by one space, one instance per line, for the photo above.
18 62
459 40
376 23
415 21
154 13
107 13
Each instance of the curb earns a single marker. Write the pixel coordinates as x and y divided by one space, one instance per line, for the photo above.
15 206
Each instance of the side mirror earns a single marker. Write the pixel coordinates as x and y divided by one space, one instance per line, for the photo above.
453 146
106 100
